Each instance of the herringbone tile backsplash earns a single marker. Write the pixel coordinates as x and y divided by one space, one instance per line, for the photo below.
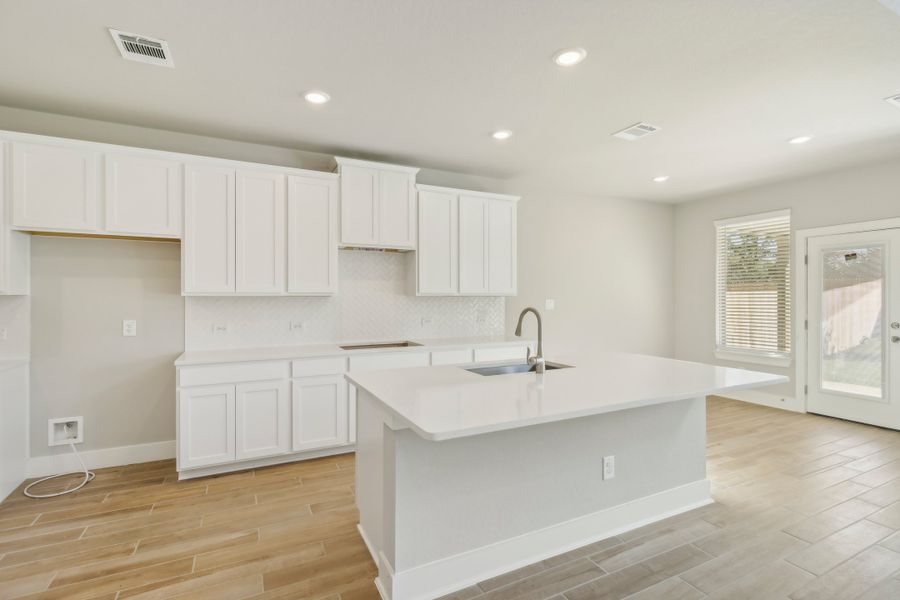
375 301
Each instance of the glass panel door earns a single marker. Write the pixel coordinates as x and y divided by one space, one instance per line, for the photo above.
852 321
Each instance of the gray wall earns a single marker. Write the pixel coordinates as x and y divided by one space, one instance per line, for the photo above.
862 193
124 387
607 263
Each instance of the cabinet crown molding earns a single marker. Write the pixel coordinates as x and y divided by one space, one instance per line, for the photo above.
341 161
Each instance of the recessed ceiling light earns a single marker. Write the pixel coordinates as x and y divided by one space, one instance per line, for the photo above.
661 178
316 97
801 139
502 134
569 57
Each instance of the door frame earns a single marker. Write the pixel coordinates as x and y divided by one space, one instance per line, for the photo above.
801 297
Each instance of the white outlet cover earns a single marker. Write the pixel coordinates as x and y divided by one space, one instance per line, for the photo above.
56 435
296 325
129 327
609 467
220 328
549 304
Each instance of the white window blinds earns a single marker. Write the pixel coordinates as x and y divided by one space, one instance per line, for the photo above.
753 285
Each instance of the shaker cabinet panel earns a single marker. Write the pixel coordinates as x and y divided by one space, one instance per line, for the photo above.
396 209
319 412
501 246
438 244
359 206
263 420
312 249
473 245
260 230
143 195
209 230
206 426
54 187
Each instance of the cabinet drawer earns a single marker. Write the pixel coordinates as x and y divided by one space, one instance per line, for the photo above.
451 357
388 361
498 354
232 373
308 367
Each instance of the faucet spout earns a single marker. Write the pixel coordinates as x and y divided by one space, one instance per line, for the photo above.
538 359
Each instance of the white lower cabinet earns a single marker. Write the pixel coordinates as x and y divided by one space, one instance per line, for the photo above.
263 419
319 412
206 426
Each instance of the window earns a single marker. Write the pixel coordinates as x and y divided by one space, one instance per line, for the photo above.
753 288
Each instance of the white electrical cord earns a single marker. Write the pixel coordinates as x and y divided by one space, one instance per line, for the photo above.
88 476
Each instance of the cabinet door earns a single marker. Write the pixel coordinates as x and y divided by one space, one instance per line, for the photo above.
54 187
312 236
351 413
263 419
501 247
437 253
259 224
396 210
208 245
319 412
359 205
473 248
143 195
205 426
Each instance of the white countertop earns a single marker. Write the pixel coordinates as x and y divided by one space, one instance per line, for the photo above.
205 357
442 403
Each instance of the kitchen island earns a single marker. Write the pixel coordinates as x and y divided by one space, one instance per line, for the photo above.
463 476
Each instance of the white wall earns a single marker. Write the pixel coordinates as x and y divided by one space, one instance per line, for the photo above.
81 365
862 193
607 263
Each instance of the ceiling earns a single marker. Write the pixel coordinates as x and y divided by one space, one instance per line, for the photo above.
425 82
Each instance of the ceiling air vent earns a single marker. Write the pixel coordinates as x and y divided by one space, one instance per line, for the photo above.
895 100
142 48
636 131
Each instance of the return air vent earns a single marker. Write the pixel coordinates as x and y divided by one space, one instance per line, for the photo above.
895 100
143 49
636 131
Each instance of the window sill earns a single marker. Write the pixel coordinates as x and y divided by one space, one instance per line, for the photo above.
756 359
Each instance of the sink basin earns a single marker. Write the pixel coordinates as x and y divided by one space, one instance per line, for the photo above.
403 344
514 368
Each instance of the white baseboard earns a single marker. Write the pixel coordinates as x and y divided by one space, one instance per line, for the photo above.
767 399
40 466
448 575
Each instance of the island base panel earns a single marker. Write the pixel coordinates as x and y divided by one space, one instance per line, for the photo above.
440 516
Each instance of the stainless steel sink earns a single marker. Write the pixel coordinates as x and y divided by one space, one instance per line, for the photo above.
515 368
403 344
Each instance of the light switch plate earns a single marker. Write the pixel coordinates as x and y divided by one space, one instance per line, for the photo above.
129 327
609 467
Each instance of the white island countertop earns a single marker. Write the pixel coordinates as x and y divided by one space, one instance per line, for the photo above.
448 402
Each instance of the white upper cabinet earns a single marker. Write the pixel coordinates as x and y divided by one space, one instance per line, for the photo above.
15 246
259 226
143 195
54 187
208 250
501 239
312 249
438 246
473 245
467 243
377 204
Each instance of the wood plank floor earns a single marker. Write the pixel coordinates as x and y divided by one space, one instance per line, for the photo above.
807 508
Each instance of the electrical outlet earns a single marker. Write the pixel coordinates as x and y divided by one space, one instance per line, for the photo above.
220 328
129 327
549 304
609 467
4 334
427 321
295 326
65 430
